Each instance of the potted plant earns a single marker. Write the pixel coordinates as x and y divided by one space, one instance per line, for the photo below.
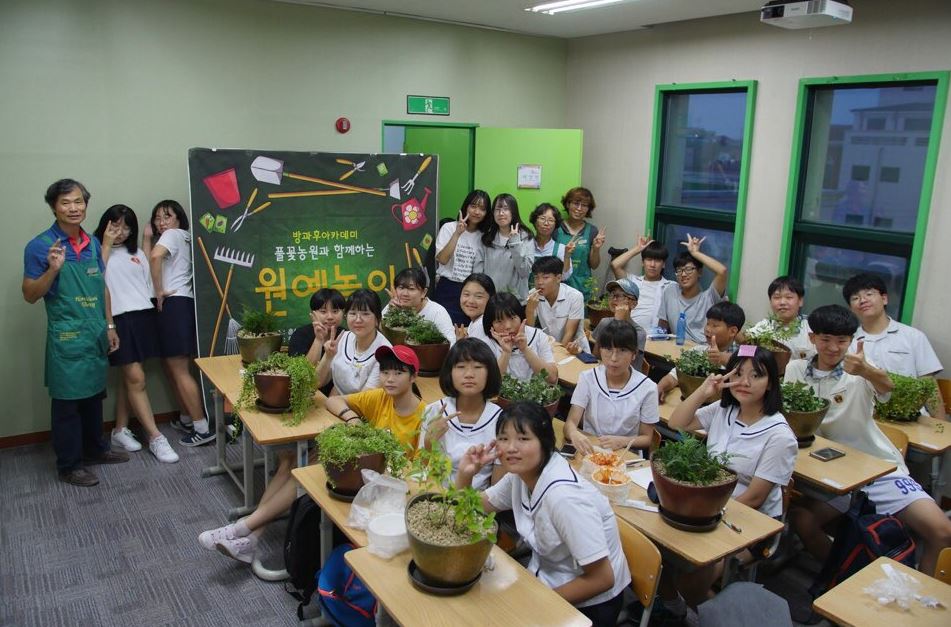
396 321
909 395
344 450
772 334
693 367
279 384
536 389
429 344
692 485
450 533
259 335
598 306
804 411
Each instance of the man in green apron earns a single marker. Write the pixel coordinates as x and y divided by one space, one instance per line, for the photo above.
63 265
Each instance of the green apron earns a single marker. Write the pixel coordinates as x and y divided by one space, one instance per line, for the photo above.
76 340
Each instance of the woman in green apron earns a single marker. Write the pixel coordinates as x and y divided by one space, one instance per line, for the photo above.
585 238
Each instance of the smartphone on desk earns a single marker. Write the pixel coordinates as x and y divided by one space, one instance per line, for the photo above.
568 451
587 358
827 454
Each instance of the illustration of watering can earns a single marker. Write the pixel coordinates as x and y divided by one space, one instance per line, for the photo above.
412 213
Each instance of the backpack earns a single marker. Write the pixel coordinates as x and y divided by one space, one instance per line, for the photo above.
344 600
302 551
860 538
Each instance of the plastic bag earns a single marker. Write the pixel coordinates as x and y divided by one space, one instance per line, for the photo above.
894 588
380 494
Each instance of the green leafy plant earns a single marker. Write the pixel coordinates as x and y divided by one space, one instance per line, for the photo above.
423 331
770 332
257 323
909 395
341 444
689 461
598 298
695 363
799 396
303 383
399 317
536 389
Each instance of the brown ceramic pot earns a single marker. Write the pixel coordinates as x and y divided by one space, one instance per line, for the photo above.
805 423
551 408
595 316
691 502
689 384
431 357
258 348
394 335
348 479
274 390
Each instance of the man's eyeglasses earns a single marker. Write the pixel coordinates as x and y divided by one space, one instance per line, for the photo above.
685 271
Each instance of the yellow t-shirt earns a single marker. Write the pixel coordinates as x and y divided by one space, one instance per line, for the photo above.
377 407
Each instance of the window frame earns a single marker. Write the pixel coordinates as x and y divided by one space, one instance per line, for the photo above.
705 218
907 245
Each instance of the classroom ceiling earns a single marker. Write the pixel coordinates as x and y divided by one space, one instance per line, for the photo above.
510 15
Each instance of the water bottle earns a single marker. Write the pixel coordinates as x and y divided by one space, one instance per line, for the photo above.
682 328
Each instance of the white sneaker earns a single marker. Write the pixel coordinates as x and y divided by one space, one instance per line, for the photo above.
207 539
126 440
163 450
241 549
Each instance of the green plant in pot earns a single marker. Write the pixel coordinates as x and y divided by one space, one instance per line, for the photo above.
450 533
773 335
396 322
429 344
693 367
909 395
344 450
279 384
537 389
804 411
259 335
692 484
598 306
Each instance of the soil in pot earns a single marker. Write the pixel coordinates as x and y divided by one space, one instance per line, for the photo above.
689 503
689 384
258 347
274 389
805 424
431 357
348 479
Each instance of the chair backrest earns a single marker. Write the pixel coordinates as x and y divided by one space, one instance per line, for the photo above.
898 437
643 560
944 389
645 368
655 441
942 570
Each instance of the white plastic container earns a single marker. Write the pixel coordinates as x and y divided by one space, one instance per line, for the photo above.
387 535
618 490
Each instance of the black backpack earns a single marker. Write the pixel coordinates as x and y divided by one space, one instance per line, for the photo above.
302 551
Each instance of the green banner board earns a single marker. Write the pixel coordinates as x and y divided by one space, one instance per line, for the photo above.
427 105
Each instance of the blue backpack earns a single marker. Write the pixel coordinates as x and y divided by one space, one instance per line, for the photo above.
344 599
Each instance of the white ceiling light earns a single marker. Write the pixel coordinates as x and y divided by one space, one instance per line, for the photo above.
551 8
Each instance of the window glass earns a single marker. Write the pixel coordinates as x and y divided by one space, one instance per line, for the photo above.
826 269
719 245
702 148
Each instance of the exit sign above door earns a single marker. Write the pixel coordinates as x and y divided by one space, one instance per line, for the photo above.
427 105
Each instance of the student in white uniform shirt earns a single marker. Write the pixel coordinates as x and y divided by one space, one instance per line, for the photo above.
465 417
457 245
350 358
785 300
568 523
651 284
476 291
688 296
521 350
558 308
747 425
409 292
618 403
852 384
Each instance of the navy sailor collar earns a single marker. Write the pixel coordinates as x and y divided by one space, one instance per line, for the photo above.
489 413
371 354
762 425
635 381
557 472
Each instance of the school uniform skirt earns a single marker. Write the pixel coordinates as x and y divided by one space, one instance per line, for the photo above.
447 293
176 327
138 337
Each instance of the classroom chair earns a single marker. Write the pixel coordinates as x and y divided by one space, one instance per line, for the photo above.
944 388
734 569
898 437
644 562
645 368
942 570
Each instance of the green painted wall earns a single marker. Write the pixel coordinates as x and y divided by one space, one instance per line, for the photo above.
499 152
454 146
114 92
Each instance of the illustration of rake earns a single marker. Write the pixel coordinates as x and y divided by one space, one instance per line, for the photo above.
233 258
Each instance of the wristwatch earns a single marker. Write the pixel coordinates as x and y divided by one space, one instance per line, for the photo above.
110 327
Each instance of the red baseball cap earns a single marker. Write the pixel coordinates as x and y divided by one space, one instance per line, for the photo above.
404 354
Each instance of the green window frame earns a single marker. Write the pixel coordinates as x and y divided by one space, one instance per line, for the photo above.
660 214
798 234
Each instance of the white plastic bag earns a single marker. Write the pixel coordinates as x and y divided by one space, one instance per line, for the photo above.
380 494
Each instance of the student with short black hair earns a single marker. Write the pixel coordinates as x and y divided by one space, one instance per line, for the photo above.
786 295
409 292
852 384
557 307
651 284
521 350
326 313
689 297
349 360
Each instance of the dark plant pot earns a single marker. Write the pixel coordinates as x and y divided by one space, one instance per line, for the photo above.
689 384
551 408
782 356
274 390
257 348
691 502
596 315
805 424
431 357
348 479
396 335
446 566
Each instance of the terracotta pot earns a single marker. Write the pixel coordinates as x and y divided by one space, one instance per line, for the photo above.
690 502
395 335
551 408
445 566
597 315
805 424
689 384
348 479
431 357
257 348
274 390
782 356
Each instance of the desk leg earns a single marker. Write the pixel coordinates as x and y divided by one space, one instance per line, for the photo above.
248 463
326 537
221 438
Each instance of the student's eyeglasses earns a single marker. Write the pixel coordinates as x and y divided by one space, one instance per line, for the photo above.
359 315
863 295
685 271
505 209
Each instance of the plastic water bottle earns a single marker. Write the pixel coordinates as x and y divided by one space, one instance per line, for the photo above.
682 328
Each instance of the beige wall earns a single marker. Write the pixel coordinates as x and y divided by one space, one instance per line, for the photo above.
114 92
611 81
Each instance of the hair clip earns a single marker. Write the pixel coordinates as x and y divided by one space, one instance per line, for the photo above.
746 350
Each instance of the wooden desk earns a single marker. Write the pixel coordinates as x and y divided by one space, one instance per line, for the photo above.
696 549
570 372
842 475
929 437
847 604
666 349
506 595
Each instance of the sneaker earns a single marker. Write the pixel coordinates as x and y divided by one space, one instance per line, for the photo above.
163 450
79 476
241 549
183 427
109 457
208 539
197 439
125 440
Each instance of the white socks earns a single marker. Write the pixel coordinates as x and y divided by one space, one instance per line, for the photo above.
201 426
241 529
